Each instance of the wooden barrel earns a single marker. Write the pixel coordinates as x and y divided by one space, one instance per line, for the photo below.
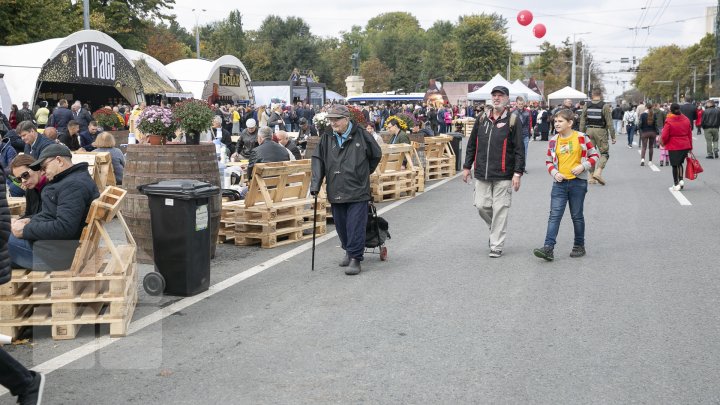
312 143
145 164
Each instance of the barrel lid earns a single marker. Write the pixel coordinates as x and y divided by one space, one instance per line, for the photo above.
183 189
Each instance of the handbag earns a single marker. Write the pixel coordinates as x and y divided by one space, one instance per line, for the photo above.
693 167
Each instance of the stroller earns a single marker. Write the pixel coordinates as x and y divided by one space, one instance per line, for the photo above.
376 232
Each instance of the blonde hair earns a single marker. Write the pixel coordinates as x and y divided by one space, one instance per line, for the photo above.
104 140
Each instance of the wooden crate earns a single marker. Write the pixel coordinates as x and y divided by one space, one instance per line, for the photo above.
439 158
276 210
391 180
16 205
99 166
99 288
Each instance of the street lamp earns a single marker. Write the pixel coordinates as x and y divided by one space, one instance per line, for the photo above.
677 90
197 29
574 65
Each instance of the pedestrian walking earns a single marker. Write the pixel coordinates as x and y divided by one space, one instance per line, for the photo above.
630 119
596 122
710 124
571 155
495 148
677 138
648 133
345 158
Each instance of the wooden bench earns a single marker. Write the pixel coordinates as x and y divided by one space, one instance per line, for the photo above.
277 209
99 288
391 181
99 165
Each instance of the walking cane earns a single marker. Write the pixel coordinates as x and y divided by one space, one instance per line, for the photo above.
312 268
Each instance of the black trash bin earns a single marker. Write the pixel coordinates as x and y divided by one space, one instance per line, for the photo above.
180 219
456 145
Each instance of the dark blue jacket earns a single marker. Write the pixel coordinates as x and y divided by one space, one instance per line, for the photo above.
4 233
86 140
60 118
55 231
40 143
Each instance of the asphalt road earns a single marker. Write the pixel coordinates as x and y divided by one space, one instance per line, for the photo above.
635 321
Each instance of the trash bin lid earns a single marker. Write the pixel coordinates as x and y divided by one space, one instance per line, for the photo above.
183 189
455 134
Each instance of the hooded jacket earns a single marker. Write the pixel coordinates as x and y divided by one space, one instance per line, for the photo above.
677 133
347 168
495 148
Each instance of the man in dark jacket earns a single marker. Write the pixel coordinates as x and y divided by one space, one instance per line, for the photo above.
268 151
689 110
345 157
25 114
48 240
710 124
34 143
248 140
496 149
289 144
25 384
81 116
61 116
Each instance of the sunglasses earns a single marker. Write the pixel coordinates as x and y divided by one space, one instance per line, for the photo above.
19 179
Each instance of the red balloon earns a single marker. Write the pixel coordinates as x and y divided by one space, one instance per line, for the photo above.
524 17
539 30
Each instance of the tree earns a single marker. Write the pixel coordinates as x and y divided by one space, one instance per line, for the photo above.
550 66
225 37
377 76
128 21
333 63
483 49
36 20
662 64
164 46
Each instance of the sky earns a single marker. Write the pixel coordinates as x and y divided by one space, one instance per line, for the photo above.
612 29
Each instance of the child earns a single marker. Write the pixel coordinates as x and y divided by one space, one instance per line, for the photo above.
570 156
664 156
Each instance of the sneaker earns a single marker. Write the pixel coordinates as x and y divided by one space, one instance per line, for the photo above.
33 394
661 163
545 252
710 157
681 184
592 180
716 154
599 179
353 267
495 253
675 188
345 261
642 162
629 146
578 251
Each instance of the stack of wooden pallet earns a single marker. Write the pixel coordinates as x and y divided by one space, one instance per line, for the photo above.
99 288
276 210
16 205
439 157
99 166
391 181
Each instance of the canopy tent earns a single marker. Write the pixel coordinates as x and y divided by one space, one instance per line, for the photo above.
87 65
224 79
155 77
531 95
4 96
332 95
567 92
483 93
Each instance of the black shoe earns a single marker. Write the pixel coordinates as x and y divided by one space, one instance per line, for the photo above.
353 267
578 251
545 252
716 155
33 394
709 157
345 261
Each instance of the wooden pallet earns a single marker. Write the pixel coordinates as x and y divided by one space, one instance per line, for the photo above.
391 180
99 288
439 158
276 210
418 165
99 165
16 205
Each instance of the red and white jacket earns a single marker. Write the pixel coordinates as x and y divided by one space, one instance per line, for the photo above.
589 155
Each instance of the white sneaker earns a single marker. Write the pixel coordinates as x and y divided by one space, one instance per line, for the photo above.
682 183
642 162
675 188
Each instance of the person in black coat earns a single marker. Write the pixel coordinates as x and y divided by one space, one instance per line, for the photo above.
268 151
689 110
61 116
289 144
49 239
25 384
81 116
34 143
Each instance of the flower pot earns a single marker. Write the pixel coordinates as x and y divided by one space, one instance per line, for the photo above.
155 139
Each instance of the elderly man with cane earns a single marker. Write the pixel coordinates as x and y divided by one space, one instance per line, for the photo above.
345 158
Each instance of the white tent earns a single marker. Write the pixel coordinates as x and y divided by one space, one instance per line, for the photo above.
204 78
483 93
86 57
174 88
567 92
531 95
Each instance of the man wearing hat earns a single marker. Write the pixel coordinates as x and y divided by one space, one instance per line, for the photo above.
345 158
48 240
496 149
306 131
248 139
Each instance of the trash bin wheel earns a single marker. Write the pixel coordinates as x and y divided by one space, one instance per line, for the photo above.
383 253
154 283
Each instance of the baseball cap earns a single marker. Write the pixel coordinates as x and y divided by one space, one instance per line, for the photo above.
51 151
501 89
303 121
251 123
338 111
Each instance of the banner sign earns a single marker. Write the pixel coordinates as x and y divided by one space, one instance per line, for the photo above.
230 77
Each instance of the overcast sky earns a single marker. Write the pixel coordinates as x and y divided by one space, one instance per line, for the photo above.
609 24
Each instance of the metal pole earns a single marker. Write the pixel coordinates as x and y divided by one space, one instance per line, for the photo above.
582 86
677 93
197 39
709 77
572 74
694 79
509 60
86 14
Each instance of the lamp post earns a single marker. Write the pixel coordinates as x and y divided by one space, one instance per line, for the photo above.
197 29
677 89
574 64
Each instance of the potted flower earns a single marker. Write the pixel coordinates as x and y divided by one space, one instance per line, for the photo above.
321 122
193 117
106 118
157 123
357 116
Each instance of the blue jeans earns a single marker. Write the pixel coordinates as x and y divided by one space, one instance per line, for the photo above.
350 222
570 192
13 375
526 141
630 133
21 255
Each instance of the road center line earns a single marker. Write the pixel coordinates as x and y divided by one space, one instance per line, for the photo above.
157 316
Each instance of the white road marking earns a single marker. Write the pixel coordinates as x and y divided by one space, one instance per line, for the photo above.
680 197
157 316
653 167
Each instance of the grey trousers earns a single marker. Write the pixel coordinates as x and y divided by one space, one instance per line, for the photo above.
492 200
711 139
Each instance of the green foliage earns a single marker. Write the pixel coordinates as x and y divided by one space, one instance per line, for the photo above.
483 49
225 37
25 21
106 118
193 116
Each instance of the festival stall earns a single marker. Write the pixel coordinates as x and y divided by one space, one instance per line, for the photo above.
531 95
301 86
565 93
483 93
224 80
87 65
158 83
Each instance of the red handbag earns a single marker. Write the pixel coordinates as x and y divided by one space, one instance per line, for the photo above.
693 167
